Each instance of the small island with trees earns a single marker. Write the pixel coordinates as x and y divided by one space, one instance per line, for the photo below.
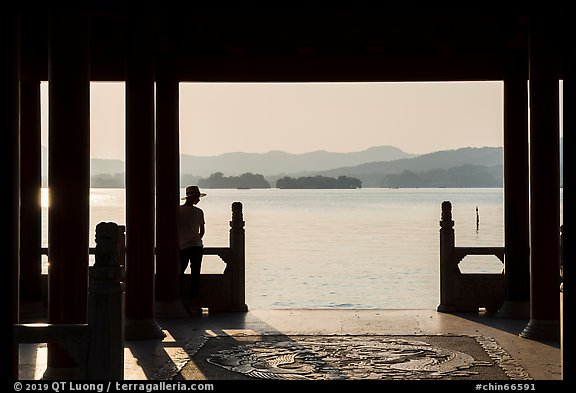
246 180
250 180
318 182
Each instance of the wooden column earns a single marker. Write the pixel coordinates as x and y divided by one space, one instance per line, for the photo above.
9 113
167 194
68 178
140 319
544 185
516 197
568 249
30 189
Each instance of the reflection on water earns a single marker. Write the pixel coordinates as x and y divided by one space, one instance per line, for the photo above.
368 248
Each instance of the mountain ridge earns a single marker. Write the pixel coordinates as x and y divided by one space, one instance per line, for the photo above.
380 166
372 173
277 162
442 159
237 163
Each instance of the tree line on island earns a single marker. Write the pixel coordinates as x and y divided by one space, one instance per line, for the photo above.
462 176
319 182
377 167
244 181
251 180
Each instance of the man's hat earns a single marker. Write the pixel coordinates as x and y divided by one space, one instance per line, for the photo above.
193 191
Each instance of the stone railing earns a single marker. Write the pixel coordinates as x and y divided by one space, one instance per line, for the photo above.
466 291
96 348
218 292
226 291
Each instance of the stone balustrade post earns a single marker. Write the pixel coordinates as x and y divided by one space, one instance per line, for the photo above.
106 305
238 259
448 270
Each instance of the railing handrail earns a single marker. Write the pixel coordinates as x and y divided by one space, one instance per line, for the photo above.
461 252
466 291
223 252
481 250
74 339
34 333
44 250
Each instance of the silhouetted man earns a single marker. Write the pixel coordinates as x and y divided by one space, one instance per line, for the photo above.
191 231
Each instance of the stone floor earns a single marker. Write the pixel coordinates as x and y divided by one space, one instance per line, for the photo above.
168 358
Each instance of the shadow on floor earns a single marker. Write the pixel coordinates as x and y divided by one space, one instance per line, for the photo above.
512 326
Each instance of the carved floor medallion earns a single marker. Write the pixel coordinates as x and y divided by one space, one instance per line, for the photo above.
334 357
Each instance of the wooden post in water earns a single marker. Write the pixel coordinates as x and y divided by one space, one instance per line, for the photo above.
238 259
447 268
106 305
477 219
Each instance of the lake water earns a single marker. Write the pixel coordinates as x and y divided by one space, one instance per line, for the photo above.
366 248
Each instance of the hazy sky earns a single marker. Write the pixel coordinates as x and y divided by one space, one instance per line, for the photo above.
297 118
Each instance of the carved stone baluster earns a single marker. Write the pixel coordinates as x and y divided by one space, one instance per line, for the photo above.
237 265
106 305
448 268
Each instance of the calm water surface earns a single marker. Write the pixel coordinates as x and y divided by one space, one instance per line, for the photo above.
367 248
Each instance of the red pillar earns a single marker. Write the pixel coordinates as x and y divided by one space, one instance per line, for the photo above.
516 194
167 193
544 185
140 319
68 178
568 280
9 112
30 190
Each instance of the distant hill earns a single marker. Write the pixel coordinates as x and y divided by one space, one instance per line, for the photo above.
459 176
104 173
444 159
382 166
271 163
98 166
278 162
379 174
